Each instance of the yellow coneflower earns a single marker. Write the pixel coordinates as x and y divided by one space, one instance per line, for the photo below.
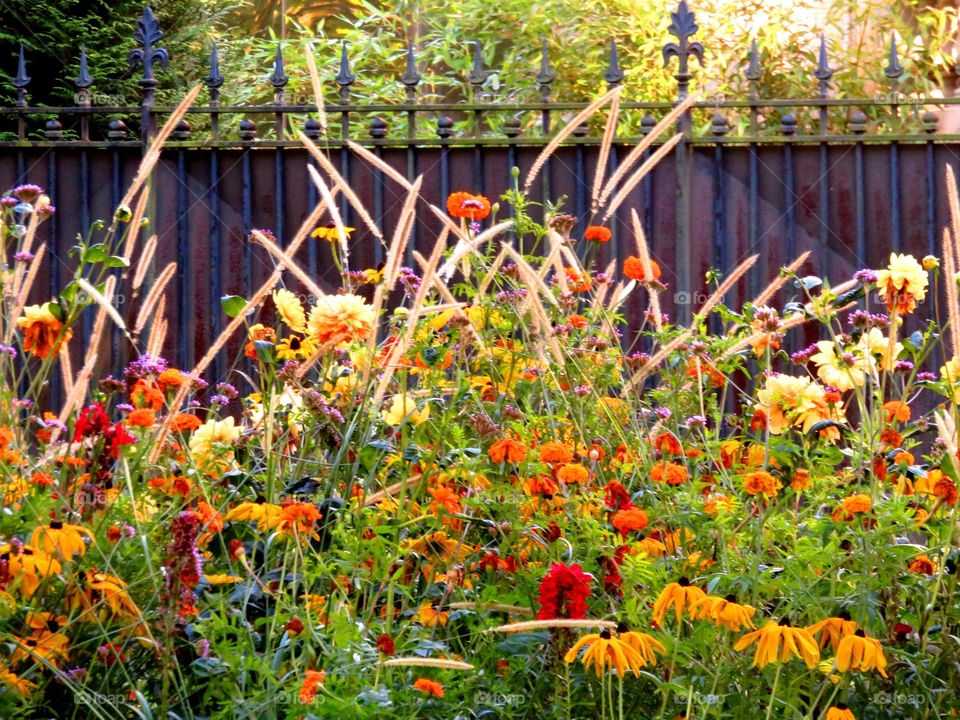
29 565
61 539
778 642
724 611
839 712
859 652
14 682
44 621
295 348
681 595
263 513
100 592
833 630
430 616
606 650
644 644
51 647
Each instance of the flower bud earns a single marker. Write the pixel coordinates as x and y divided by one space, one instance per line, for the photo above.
930 263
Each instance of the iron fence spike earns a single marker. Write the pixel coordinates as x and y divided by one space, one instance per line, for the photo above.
344 77
22 79
84 79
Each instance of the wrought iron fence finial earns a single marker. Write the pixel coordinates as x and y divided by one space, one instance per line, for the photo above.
279 77
823 71
22 79
477 75
411 78
148 34
894 69
753 72
546 74
84 79
215 79
614 73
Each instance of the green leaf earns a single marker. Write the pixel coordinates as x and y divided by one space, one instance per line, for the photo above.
95 254
115 261
232 305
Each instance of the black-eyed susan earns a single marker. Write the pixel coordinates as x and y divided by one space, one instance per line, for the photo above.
606 650
778 642
681 595
29 565
430 615
98 593
724 611
859 652
329 232
61 539
43 647
839 712
833 630
646 645
15 683
265 514
295 348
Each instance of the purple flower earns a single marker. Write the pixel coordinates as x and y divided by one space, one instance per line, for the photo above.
662 413
46 211
27 193
8 350
227 389
926 377
696 421
8 201
145 365
903 366
219 400
203 647
125 407
865 276
581 390
802 357
23 256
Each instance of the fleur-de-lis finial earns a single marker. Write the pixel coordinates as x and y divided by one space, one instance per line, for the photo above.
894 69
477 75
613 74
683 25
411 78
148 34
84 79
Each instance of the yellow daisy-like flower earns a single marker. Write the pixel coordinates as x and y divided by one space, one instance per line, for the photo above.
903 283
61 539
15 683
404 408
43 334
859 652
222 579
950 374
724 611
30 566
842 370
290 310
341 318
295 348
329 232
264 514
840 712
46 646
210 444
430 616
789 401
680 595
833 630
646 645
778 642
606 650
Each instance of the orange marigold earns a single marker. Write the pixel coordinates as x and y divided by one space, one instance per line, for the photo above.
145 395
431 687
629 520
311 682
633 269
760 482
896 410
922 565
943 488
468 206
598 233
667 444
258 333
43 334
573 473
852 506
184 422
507 450
556 453
142 418
669 473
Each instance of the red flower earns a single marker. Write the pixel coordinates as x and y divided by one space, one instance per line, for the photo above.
465 205
386 645
615 496
598 233
563 593
115 437
92 421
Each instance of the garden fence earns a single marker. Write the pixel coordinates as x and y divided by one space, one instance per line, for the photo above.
848 178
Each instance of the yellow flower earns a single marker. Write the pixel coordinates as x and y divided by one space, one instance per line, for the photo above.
859 652
61 539
222 579
681 595
430 616
644 644
341 318
875 345
294 348
263 513
14 682
606 650
290 310
404 408
778 642
43 334
30 565
840 712
793 402
724 611
51 647
329 233
209 445
833 630
950 374
843 371
902 284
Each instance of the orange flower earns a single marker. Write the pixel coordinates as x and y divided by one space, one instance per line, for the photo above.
851 506
172 378
577 321
258 333
145 395
573 473
598 233
311 681
507 450
800 480
42 333
629 520
579 282
299 517
943 488
667 444
668 472
897 409
760 482
142 418
556 453
341 317
922 565
184 422
633 269
470 207
431 687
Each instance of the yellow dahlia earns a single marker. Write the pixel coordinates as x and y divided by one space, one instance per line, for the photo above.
902 284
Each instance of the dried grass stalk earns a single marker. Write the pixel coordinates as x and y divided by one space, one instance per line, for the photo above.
133 227
608 133
317 88
490 607
552 624
143 264
25 291
641 173
427 662
643 252
564 133
331 207
278 254
103 301
153 297
655 132
774 287
158 330
465 247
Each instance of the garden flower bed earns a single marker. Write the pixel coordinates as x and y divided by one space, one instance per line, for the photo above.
459 489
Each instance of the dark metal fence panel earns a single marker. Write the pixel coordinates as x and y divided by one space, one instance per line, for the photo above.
804 174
